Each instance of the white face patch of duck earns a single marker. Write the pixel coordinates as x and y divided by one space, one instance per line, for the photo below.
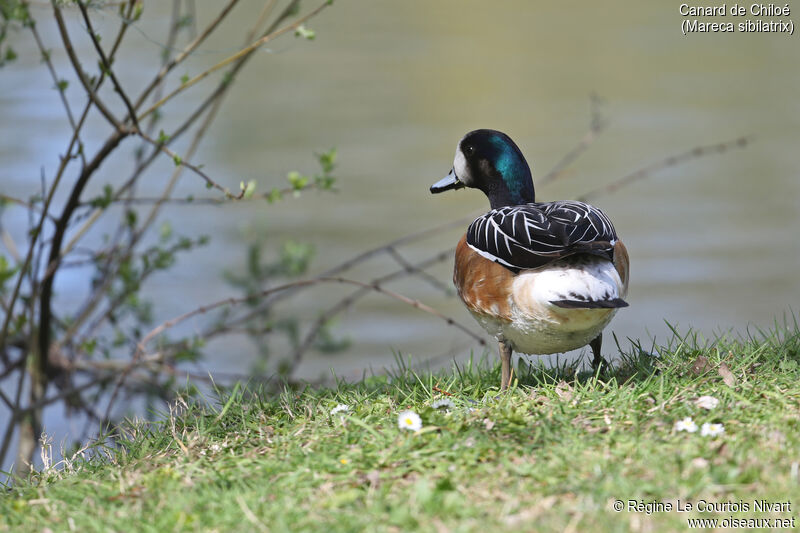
461 169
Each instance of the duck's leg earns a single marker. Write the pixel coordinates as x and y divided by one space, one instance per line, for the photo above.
598 363
505 364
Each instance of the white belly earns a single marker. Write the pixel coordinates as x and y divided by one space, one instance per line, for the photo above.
538 326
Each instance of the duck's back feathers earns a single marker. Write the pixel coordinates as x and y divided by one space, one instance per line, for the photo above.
531 235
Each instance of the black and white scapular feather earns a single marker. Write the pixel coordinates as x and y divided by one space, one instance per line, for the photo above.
531 235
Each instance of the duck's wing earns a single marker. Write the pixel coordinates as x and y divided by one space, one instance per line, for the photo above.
532 235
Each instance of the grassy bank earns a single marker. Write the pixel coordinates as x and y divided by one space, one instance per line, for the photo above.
553 454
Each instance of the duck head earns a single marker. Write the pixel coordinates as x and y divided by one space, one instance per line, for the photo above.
490 161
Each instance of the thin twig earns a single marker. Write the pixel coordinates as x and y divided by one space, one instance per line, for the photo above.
346 302
106 65
172 36
314 281
596 126
414 269
76 64
384 248
181 162
61 93
694 153
206 201
186 52
23 203
238 55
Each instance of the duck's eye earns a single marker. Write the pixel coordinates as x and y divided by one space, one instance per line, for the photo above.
469 149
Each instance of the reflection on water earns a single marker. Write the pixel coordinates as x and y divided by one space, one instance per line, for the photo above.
394 86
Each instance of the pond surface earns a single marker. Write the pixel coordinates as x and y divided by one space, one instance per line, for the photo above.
393 86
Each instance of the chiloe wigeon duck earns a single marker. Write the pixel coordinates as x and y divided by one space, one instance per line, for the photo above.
541 278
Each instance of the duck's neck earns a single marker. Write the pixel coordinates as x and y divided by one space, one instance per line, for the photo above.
513 183
515 189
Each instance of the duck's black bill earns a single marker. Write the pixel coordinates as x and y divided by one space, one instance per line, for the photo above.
447 183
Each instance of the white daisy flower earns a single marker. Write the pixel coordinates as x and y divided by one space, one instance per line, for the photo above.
341 408
409 420
687 424
712 430
443 403
706 402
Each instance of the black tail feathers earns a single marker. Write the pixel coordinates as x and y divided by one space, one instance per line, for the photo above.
590 304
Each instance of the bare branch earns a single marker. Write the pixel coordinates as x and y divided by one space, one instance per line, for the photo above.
346 302
596 126
314 281
644 172
23 203
417 270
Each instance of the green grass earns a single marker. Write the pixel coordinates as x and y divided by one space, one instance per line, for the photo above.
553 454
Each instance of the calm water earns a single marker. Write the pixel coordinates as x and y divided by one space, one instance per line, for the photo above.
394 85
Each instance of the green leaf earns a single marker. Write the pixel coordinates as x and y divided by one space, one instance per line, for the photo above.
130 218
6 271
101 202
248 189
62 85
89 346
166 231
324 182
327 160
297 180
178 161
163 138
305 33
184 79
295 257
274 195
